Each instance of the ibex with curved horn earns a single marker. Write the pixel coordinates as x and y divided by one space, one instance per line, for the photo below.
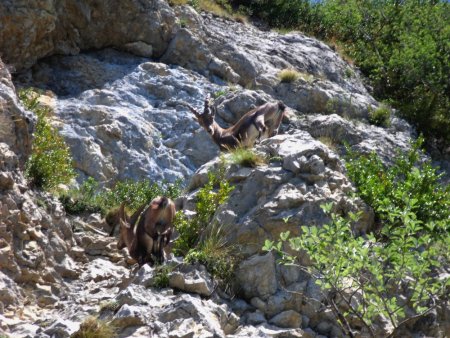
262 121
148 231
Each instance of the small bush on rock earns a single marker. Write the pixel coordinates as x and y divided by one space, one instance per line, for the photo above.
381 116
50 163
216 254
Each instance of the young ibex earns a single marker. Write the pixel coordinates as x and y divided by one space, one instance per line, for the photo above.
260 122
147 232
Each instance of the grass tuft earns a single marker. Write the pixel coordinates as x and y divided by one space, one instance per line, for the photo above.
288 75
95 328
246 157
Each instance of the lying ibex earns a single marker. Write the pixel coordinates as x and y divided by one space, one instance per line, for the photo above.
147 232
262 121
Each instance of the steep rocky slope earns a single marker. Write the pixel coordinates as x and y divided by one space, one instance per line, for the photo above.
122 116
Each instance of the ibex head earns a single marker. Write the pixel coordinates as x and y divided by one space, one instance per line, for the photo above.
205 119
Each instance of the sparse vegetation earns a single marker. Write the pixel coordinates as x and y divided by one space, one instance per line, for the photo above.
246 157
288 75
95 328
390 188
50 163
220 93
381 116
218 7
329 142
219 257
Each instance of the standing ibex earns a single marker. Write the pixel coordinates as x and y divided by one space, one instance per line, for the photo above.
262 121
147 232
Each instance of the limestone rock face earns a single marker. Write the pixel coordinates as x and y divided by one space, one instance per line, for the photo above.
122 115
48 27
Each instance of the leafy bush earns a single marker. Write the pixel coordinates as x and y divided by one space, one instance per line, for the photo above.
90 197
407 180
368 275
381 116
208 201
95 328
50 163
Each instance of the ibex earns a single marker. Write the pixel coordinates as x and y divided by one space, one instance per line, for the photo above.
147 232
262 121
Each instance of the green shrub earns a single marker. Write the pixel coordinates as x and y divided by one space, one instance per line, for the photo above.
369 273
90 197
50 163
208 200
381 116
407 179
161 279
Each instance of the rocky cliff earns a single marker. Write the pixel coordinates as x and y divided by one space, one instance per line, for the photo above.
116 76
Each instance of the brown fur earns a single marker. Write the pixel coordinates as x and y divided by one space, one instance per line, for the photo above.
258 123
148 232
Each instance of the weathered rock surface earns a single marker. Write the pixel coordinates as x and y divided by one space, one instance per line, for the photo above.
35 29
15 124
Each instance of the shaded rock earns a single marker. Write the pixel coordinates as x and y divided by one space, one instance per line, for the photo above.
257 276
63 27
10 293
130 315
61 328
191 280
287 319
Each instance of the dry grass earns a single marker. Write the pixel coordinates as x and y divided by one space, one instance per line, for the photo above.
212 7
329 142
288 75
177 2
94 328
